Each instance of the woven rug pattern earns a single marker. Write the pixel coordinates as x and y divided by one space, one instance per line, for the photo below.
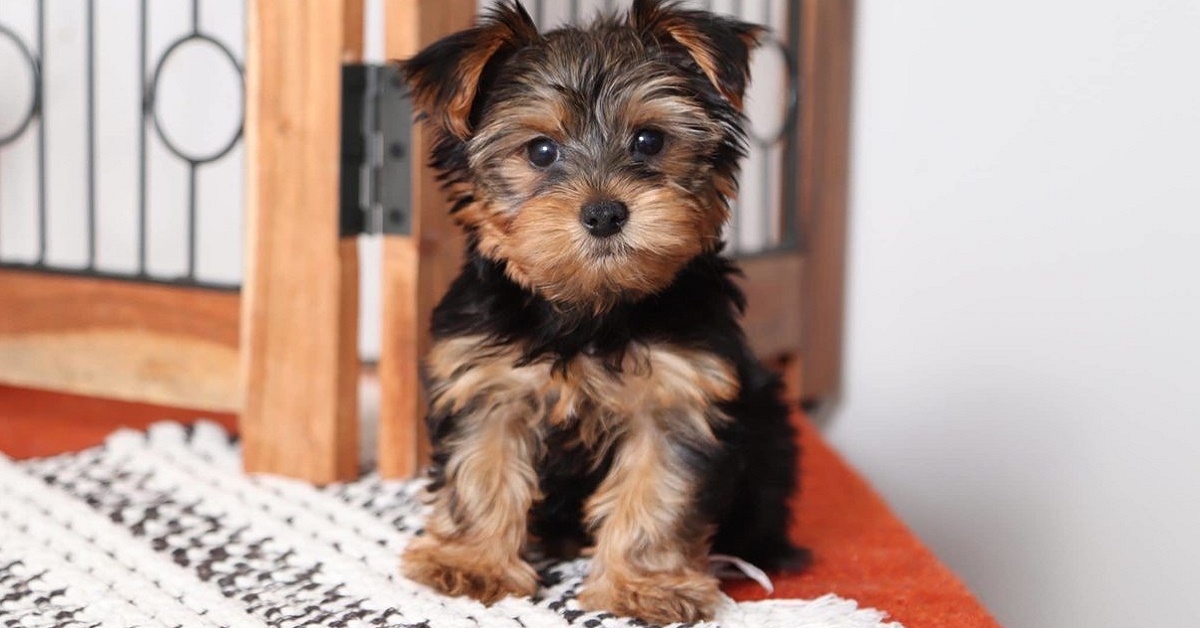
163 529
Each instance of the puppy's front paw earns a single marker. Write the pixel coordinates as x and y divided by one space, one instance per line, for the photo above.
460 570
661 598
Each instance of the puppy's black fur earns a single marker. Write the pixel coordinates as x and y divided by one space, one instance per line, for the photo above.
748 478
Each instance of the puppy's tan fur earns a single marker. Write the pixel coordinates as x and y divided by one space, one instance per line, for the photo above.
639 515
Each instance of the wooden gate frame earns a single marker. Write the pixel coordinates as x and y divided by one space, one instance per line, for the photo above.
417 268
160 343
299 365
300 299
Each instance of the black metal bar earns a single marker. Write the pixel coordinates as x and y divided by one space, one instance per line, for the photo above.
769 198
792 156
30 113
137 278
191 222
41 147
145 103
575 11
768 192
150 115
539 13
153 96
193 250
91 133
33 112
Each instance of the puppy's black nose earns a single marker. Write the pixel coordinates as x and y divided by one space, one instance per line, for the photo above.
604 218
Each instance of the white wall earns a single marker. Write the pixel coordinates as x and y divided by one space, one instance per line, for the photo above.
1023 343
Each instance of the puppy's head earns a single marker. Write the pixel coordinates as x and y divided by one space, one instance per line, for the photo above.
596 162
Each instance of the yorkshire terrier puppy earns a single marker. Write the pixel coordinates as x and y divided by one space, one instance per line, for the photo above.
590 385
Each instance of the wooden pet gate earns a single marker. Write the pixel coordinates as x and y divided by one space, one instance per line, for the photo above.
330 154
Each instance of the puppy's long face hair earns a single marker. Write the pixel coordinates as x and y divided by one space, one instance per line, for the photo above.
593 163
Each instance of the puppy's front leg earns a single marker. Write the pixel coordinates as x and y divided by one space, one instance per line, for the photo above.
650 549
474 536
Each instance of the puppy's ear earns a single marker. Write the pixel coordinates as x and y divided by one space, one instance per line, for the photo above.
444 78
720 45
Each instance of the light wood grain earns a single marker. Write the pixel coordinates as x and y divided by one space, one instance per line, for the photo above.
134 341
828 42
300 305
772 321
775 301
354 34
419 267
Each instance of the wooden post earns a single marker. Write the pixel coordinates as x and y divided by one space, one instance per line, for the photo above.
772 320
417 268
828 45
300 297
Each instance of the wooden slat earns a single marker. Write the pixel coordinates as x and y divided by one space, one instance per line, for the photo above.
38 423
417 268
300 307
771 321
828 42
352 20
135 341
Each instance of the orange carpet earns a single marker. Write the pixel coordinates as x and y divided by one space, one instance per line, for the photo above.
861 550
36 423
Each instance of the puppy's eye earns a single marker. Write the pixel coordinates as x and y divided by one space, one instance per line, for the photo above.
647 142
542 152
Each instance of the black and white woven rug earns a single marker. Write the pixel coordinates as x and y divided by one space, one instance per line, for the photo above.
162 529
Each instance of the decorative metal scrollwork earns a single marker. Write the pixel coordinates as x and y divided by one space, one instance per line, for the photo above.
149 82
151 100
35 98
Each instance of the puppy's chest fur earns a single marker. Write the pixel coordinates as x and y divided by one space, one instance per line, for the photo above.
667 363
663 380
656 387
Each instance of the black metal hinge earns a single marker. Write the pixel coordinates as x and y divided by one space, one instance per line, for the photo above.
376 175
